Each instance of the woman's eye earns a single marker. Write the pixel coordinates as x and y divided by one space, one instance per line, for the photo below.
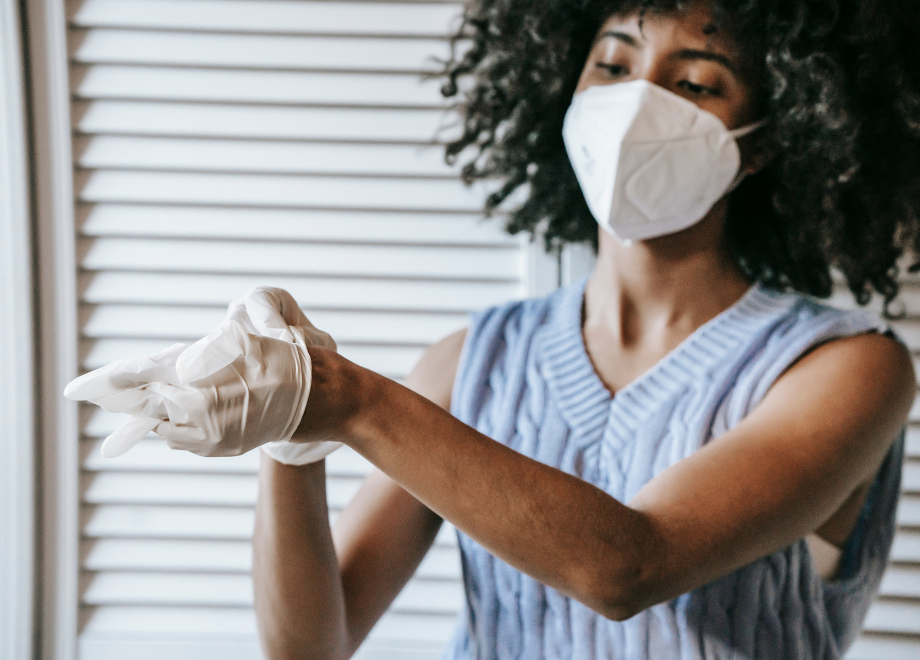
698 90
614 70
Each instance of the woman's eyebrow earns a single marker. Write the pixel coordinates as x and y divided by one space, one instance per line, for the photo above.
708 55
621 36
685 54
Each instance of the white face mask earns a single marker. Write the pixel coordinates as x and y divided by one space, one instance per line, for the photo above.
649 162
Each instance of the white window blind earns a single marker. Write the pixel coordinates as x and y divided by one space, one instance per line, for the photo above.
223 144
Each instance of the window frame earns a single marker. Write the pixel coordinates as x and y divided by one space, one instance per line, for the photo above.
17 419
55 314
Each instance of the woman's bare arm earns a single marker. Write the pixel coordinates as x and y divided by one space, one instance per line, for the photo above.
820 433
318 594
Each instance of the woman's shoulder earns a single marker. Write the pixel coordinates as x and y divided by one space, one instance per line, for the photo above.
802 318
796 326
488 334
434 373
854 336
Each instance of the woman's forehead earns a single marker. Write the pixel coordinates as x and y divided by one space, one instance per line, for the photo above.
696 22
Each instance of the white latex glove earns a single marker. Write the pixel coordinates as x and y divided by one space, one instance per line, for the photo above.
274 313
230 392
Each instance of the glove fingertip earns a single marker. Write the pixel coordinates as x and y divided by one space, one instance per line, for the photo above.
93 385
127 436
72 391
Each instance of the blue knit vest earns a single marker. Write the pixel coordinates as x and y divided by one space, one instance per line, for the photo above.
526 381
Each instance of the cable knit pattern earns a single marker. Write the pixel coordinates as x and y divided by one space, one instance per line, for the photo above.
525 380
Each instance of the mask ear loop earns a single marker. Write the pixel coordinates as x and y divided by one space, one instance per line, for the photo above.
740 133
747 130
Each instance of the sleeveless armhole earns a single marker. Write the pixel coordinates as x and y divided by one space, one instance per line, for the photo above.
811 325
880 504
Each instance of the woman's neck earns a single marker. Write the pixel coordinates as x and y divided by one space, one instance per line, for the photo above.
644 299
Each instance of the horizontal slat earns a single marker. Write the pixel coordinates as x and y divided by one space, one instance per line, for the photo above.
912 447
110 287
235 590
125 555
152 455
910 480
377 160
269 123
906 546
414 627
197 490
141 83
171 489
186 522
880 647
909 511
422 597
901 582
394 362
198 647
292 191
269 16
441 563
292 225
908 304
909 331
166 589
238 623
193 256
123 521
105 46
278 191
192 490
412 328
166 555
234 622
893 616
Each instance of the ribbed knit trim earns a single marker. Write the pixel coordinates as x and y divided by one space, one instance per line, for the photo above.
583 399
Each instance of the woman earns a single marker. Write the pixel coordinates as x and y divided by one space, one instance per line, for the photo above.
679 520
645 464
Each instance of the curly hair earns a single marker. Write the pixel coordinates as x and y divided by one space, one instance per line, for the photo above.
840 88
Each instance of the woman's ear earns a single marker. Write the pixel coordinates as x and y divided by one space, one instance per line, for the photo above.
757 151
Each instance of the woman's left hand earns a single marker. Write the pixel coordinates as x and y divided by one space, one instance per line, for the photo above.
224 396
243 386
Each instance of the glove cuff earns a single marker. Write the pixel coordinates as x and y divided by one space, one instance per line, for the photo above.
299 453
305 372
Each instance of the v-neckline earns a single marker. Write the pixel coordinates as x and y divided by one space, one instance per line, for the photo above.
584 399
661 362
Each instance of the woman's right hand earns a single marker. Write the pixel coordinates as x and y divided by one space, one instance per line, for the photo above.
273 312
